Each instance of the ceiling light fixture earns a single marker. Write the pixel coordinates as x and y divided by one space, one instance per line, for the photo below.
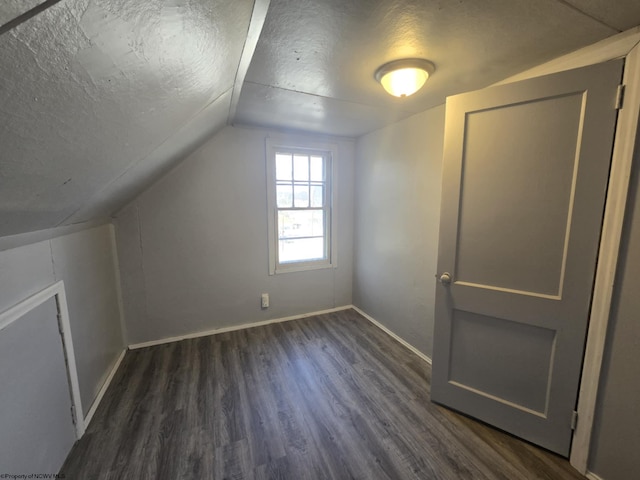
405 77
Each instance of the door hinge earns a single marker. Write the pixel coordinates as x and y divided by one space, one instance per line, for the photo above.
620 97
574 420
60 324
73 414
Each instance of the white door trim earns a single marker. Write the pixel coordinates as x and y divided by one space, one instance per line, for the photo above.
626 44
623 150
14 313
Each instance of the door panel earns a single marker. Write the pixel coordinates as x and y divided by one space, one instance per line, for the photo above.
490 355
524 183
503 185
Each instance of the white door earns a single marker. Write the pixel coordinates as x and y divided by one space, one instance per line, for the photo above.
524 183
36 426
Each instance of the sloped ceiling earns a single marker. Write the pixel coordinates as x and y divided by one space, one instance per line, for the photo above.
100 97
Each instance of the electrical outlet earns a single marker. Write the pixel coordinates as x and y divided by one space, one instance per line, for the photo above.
265 300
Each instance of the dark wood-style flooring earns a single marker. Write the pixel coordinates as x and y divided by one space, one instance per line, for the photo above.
327 397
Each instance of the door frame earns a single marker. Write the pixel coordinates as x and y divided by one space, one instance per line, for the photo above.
624 45
25 306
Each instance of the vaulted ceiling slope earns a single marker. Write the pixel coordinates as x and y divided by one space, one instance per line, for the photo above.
100 97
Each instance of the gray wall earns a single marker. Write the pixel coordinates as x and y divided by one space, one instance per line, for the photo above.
398 174
614 451
193 248
85 261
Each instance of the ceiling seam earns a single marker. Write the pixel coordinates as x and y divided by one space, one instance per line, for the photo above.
592 17
324 97
20 19
256 23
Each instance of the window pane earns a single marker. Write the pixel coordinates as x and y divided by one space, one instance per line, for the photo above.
300 223
283 166
301 195
285 195
301 249
317 173
301 167
317 195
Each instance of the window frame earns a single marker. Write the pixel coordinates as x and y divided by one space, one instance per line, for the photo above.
306 147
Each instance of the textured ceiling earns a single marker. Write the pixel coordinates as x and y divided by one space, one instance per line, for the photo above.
12 9
91 89
100 97
619 14
314 64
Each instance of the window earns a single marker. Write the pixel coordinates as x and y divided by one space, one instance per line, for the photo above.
300 206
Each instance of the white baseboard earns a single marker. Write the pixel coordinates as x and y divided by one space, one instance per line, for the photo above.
114 369
392 335
234 328
103 389
592 476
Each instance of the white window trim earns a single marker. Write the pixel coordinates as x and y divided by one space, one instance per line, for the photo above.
274 143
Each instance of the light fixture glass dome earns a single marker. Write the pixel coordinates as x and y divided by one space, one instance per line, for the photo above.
402 78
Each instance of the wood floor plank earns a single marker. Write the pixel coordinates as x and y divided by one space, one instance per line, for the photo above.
326 397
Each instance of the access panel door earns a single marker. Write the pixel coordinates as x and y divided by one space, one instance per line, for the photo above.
524 183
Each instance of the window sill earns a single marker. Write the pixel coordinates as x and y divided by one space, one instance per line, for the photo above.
301 268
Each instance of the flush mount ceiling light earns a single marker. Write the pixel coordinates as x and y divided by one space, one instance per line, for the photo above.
405 77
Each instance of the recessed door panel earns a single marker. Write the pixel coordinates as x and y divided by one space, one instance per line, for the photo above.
527 185
504 360
524 182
